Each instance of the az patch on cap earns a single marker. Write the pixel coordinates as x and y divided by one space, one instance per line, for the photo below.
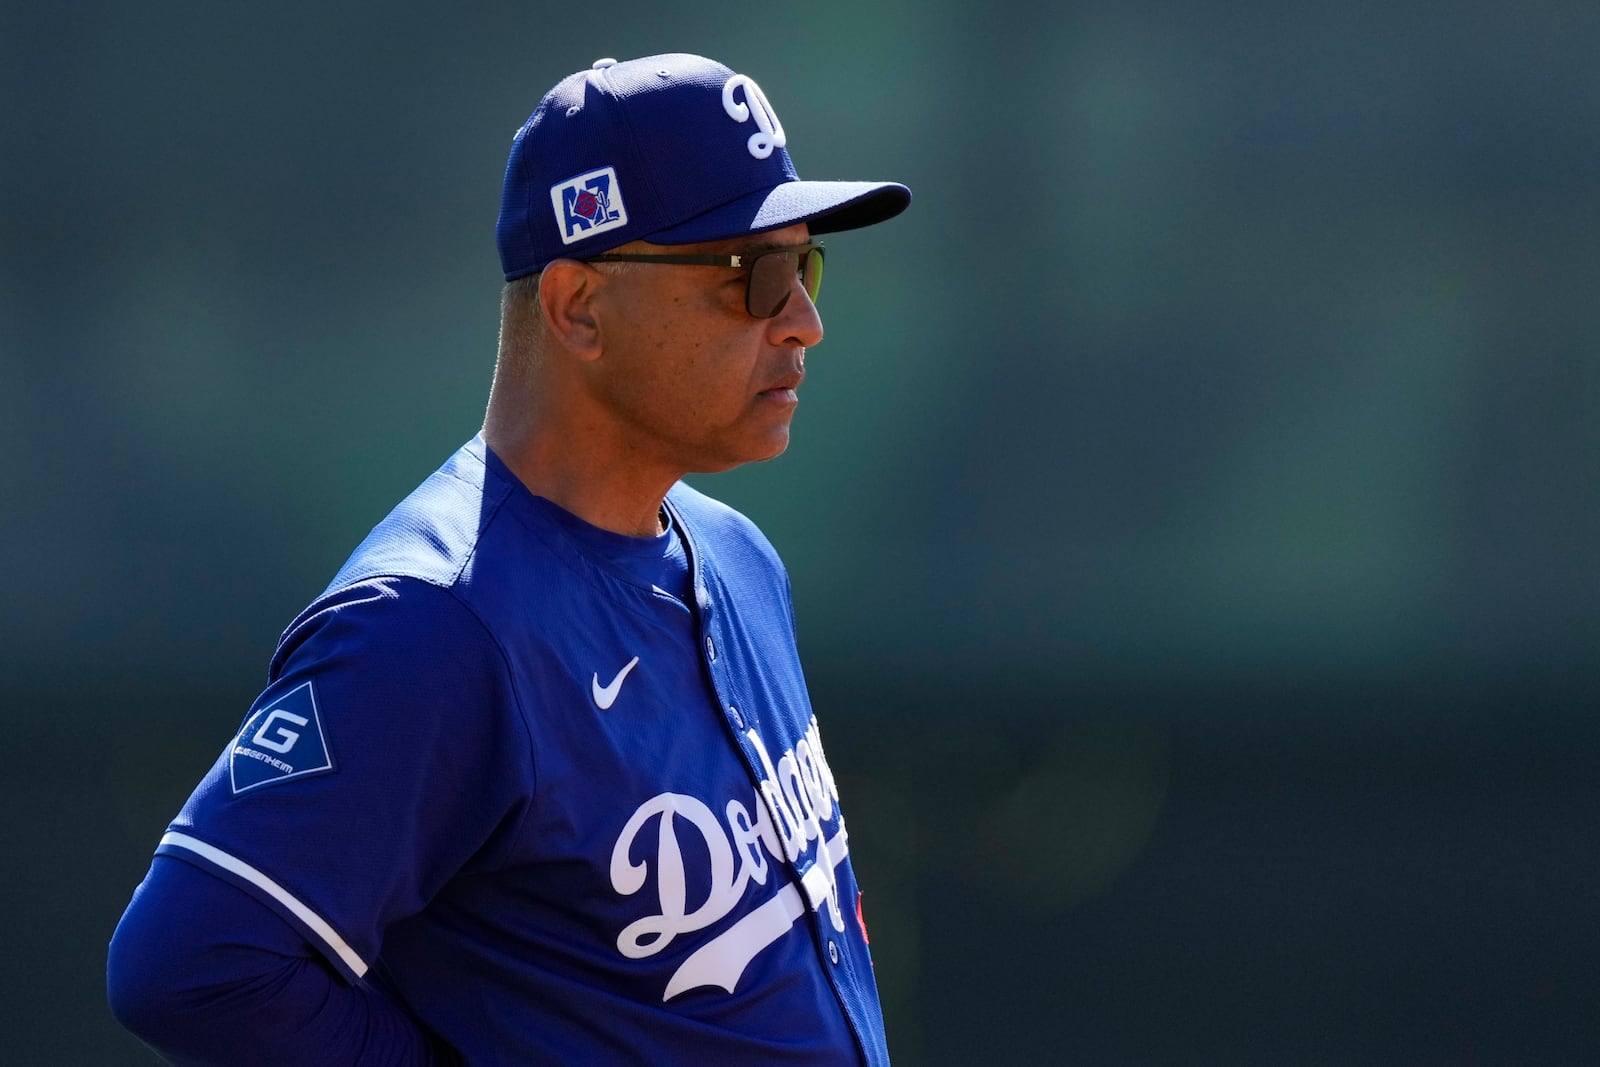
588 204
281 741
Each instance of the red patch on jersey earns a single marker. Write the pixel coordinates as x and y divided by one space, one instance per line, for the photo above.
861 918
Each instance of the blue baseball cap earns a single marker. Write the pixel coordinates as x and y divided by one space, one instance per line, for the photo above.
673 149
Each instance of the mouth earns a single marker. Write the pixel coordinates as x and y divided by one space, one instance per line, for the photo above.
786 389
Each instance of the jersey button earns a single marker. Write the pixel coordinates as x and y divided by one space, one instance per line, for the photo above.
711 649
738 719
833 952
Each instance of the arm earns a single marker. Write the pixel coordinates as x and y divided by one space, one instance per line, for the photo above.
206 974
398 756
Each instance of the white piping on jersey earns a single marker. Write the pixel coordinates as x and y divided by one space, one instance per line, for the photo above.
239 867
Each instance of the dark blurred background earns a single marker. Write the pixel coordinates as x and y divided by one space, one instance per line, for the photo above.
1192 513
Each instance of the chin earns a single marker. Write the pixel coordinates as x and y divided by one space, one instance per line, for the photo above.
771 449
778 448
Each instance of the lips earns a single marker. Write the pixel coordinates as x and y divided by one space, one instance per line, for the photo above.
786 386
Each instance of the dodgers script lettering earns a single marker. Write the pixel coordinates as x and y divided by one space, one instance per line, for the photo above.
794 798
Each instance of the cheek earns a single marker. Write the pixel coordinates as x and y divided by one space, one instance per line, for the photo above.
685 358
702 373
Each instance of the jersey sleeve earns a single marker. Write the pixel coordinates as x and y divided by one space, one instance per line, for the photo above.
387 755
205 974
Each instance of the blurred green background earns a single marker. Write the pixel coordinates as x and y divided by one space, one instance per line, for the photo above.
1192 512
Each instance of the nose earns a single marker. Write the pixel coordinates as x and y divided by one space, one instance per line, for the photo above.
798 322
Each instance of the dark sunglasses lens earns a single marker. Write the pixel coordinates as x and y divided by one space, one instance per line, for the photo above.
772 276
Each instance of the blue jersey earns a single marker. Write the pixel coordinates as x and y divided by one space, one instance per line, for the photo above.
558 813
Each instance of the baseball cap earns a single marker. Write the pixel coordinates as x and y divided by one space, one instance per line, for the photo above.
673 149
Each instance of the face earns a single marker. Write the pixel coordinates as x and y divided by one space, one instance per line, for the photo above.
690 379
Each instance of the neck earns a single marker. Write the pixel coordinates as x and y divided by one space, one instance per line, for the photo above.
570 468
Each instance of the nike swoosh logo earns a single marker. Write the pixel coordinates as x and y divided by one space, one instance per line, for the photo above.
604 698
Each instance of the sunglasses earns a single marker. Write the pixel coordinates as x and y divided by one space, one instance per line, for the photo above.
771 276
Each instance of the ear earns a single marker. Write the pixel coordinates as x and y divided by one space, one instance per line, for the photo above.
567 290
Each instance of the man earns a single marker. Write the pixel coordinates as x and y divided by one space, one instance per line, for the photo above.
537 779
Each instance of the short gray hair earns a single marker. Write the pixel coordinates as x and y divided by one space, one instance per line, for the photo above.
522 318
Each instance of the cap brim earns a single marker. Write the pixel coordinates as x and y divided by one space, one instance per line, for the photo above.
827 207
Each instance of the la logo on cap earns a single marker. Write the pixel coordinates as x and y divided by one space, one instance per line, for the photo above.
769 131
589 204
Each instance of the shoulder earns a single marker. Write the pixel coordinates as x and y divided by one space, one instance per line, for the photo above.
411 580
393 599
434 532
719 531
399 624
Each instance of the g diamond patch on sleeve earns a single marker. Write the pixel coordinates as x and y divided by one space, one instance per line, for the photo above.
281 741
